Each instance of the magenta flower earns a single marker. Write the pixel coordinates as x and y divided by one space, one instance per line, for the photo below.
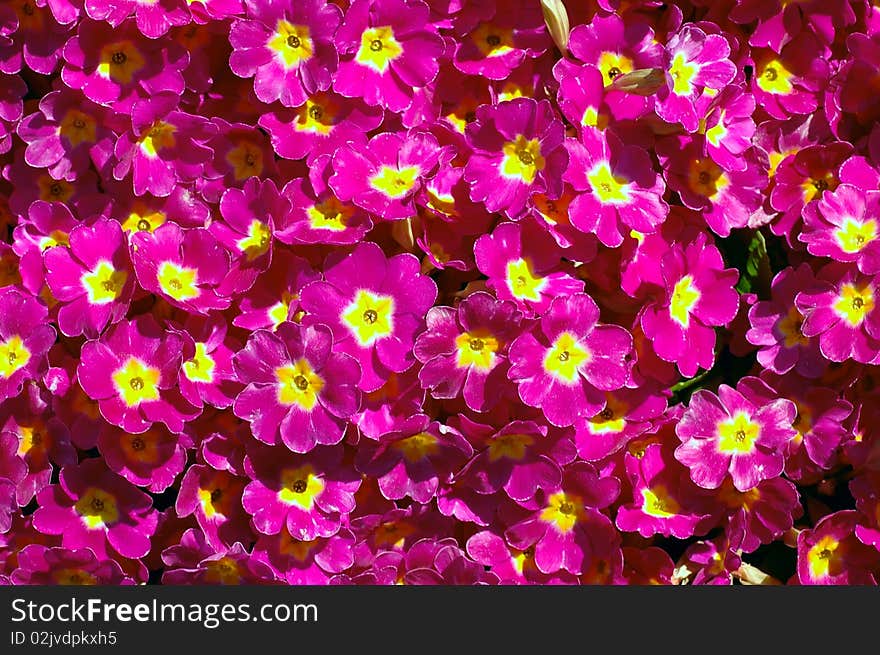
308 495
840 311
789 82
311 562
512 566
621 191
164 146
518 459
185 267
92 507
762 514
152 459
300 389
319 125
523 264
92 278
464 350
387 50
497 41
317 216
383 176
565 363
215 499
131 370
729 433
375 307
25 339
665 501
206 375
776 326
247 229
699 295
414 460
831 554
287 49
843 225
39 565
567 531
518 152
118 66
69 133
729 127
276 299
195 562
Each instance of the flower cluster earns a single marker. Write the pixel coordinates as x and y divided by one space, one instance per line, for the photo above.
439 292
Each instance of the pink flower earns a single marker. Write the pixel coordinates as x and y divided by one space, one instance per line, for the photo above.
300 389
844 225
287 48
729 434
565 363
25 339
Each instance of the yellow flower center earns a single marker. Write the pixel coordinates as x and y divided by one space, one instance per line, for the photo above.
565 357
790 328
317 115
256 243
684 298
201 367
143 218
330 215
706 178
775 78
13 356
77 127
104 284
378 48
97 508
298 384
657 501
246 160
738 434
612 64
854 303
511 446
178 282
492 41
159 136
610 190
683 73
824 558
292 44
395 182
369 317
477 350
120 61
136 382
522 281
563 511
522 159
300 486
855 235
418 446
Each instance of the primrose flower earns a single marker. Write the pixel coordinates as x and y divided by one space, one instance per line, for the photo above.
93 507
151 459
276 299
374 305
518 152
206 375
301 389
25 339
776 326
117 66
306 562
843 225
565 363
184 266
790 81
840 312
164 146
41 565
523 264
831 554
464 349
387 50
308 495
214 497
414 460
286 47
620 190
729 127
499 39
729 434
92 278
697 61
131 370
699 296
569 531
153 19
382 176
665 501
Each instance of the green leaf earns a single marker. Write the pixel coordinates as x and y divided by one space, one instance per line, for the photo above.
754 275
